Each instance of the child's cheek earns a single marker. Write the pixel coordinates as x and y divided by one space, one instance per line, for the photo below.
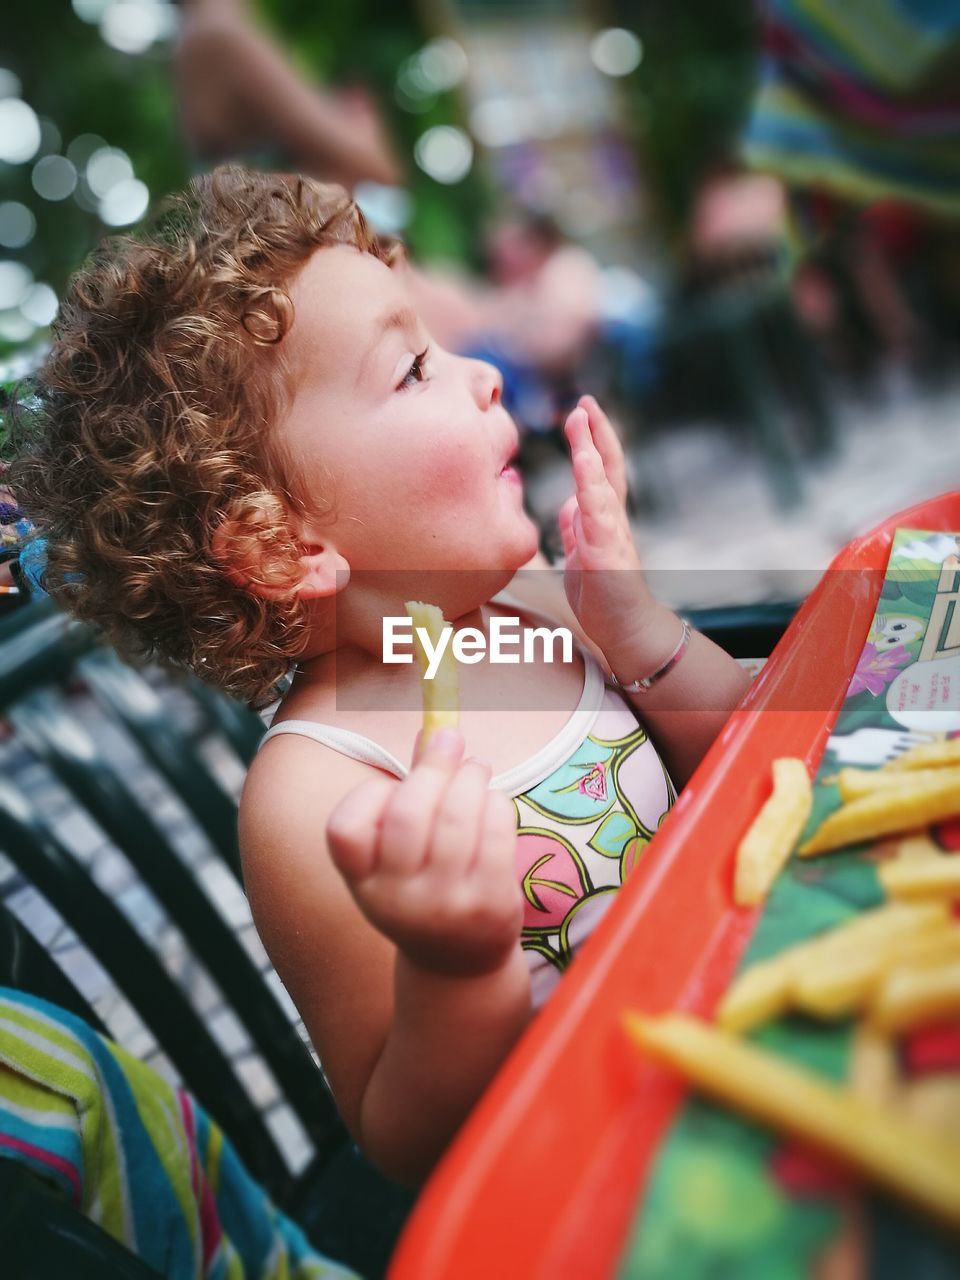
445 475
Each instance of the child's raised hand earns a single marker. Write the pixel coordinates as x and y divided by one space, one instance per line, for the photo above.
430 860
603 578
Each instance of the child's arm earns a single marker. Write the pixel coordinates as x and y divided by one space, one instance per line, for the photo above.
397 935
605 586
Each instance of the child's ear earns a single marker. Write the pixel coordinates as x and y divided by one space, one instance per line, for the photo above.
269 562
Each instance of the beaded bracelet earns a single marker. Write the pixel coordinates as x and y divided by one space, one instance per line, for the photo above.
643 685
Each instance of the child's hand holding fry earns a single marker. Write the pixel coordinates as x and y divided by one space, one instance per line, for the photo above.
430 860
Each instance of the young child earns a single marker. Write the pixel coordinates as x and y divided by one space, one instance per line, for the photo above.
247 453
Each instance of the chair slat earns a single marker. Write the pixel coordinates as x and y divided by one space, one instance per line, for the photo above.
26 966
141 710
69 751
32 844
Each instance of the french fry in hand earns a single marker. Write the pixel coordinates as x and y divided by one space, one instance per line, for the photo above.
909 997
441 706
937 876
887 812
765 989
908 1159
929 755
768 844
854 784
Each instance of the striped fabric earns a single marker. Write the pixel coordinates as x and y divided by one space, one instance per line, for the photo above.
136 1155
861 98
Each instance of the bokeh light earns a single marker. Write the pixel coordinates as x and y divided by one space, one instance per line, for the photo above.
19 131
54 178
15 280
616 51
387 209
442 64
125 202
50 139
444 153
438 67
17 224
132 26
499 122
105 168
40 305
10 86
82 148
90 10
15 327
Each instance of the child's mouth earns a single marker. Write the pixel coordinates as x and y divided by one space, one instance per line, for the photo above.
510 473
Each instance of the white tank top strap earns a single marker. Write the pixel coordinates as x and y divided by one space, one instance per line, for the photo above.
514 781
348 743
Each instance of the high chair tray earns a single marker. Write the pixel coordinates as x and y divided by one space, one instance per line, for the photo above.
545 1179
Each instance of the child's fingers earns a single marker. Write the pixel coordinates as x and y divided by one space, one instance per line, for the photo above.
608 445
353 828
588 473
565 524
597 506
410 811
495 862
456 827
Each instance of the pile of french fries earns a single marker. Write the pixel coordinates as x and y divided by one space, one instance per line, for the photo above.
892 969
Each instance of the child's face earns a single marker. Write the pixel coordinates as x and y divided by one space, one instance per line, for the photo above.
410 452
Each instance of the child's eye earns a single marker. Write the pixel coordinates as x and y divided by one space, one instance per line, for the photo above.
415 373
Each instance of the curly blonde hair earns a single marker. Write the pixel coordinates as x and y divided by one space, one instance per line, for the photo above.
151 427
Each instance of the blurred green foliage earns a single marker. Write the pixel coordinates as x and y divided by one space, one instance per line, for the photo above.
689 95
71 77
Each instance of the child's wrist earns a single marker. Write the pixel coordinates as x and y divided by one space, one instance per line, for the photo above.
455 966
645 645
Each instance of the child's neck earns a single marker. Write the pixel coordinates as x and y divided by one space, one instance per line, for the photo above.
351 624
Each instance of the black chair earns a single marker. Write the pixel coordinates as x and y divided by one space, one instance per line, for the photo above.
50 668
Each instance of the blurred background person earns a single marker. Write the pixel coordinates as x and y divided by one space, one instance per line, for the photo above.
857 111
240 98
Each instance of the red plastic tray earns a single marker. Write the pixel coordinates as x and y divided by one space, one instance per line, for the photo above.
545 1178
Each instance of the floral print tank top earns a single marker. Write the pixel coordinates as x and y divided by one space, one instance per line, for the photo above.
581 831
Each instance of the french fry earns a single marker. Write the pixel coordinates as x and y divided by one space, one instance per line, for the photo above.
874 1071
934 1102
854 784
885 813
441 705
765 848
929 755
903 1156
840 984
760 993
842 977
918 845
937 876
939 946
764 990
908 997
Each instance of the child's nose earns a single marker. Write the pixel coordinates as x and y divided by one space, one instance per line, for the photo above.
487 383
